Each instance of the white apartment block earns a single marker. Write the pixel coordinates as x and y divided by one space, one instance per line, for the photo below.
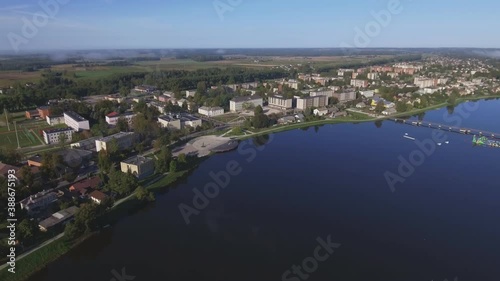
54 120
359 83
123 140
238 104
190 93
179 121
373 75
211 111
75 121
280 102
308 102
113 117
54 136
345 96
423 82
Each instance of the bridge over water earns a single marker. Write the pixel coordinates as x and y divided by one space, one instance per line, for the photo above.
453 129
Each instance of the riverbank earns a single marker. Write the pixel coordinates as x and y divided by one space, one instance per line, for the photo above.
344 120
43 256
35 261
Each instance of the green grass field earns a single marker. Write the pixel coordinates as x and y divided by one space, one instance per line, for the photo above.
28 132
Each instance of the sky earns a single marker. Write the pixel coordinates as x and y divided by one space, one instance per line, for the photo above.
132 24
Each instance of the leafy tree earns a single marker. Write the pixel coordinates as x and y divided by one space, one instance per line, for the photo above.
401 106
144 195
260 120
122 125
182 158
163 160
27 230
173 166
26 176
380 107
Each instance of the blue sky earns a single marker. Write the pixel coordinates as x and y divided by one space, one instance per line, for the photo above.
117 24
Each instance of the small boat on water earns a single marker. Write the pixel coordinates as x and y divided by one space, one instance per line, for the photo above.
447 142
439 143
408 137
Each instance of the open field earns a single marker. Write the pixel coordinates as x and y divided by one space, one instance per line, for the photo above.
28 132
8 78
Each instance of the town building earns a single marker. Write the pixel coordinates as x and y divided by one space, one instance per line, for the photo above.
85 186
423 82
373 76
359 83
345 96
38 201
320 111
57 219
190 93
54 120
145 89
169 122
124 140
88 144
75 121
240 103
54 136
97 196
40 112
139 166
179 121
113 117
308 102
280 102
367 94
211 111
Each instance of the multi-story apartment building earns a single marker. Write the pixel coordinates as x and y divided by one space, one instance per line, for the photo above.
278 101
123 140
308 102
211 111
345 96
373 76
75 121
423 82
54 136
359 83
237 104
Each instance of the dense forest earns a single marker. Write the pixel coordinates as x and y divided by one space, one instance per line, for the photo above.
54 85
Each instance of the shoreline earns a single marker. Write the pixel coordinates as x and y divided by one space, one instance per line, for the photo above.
42 257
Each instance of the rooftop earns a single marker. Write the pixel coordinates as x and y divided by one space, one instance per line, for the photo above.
96 194
75 116
116 136
52 131
58 217
247 98
137 160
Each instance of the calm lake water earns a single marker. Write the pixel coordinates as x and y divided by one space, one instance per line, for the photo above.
442 222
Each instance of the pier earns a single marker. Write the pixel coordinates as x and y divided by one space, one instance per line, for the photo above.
458 130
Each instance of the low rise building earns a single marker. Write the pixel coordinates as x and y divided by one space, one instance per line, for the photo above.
55 136
139 166
241 103
54 120
113 117
320 111
211 111
38 201
367 94
97 196
280 102
190 93
57 219
373 76
85 186
169 122
75 121
179 121
88 144
308 102
124 140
